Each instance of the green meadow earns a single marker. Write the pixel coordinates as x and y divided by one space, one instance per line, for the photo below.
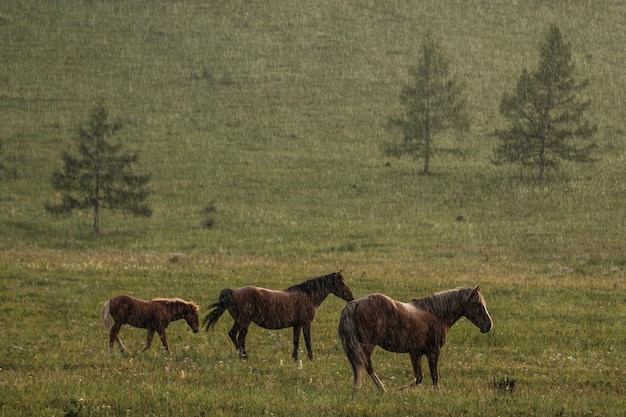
273 114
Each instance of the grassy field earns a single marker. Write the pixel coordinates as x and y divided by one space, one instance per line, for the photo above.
274 113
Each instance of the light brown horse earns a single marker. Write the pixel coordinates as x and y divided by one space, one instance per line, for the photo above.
294 307
154 315
418 328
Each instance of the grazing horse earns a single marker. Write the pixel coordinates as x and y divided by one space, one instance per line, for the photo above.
294 307
417 328
153 315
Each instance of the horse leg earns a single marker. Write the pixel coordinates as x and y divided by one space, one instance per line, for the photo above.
232 333
416 360
120 344
306 330
241 342
114 338
296 342
163 337
357 373
358 369
367 350
148 340
433 359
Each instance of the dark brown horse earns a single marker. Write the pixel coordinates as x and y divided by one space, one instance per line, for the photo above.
417 328
294 307
153 315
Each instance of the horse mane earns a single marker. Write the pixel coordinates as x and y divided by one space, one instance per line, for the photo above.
443 304
176 305
313 284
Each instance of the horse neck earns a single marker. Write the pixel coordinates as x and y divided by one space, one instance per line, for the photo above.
441 306
316 289
319 296
174 308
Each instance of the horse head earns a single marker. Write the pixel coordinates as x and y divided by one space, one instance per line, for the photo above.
476 311
190 315
340 288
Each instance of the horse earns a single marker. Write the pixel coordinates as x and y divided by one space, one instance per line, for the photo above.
417 328
271 309
154 315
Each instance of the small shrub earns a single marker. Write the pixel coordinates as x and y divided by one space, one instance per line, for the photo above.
209 216
505 384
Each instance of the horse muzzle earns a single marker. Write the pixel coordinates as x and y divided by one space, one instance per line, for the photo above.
485 327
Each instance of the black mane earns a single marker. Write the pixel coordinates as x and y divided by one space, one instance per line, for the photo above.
314 284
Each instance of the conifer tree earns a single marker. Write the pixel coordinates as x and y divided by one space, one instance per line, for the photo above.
546 113
102 176
432 102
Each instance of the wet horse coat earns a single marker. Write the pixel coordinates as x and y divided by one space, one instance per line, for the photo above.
272 309
154 315
419 328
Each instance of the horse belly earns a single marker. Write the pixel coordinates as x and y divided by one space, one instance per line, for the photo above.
397 342
415 336
138 321
278 318
273 324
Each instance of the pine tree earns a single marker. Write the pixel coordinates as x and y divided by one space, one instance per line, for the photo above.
545 113
433 102
101 177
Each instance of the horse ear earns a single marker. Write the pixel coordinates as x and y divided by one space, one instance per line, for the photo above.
477 289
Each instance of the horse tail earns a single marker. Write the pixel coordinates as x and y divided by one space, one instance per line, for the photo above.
105 315
225 300
350 336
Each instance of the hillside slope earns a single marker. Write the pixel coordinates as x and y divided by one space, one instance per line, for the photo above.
275 112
